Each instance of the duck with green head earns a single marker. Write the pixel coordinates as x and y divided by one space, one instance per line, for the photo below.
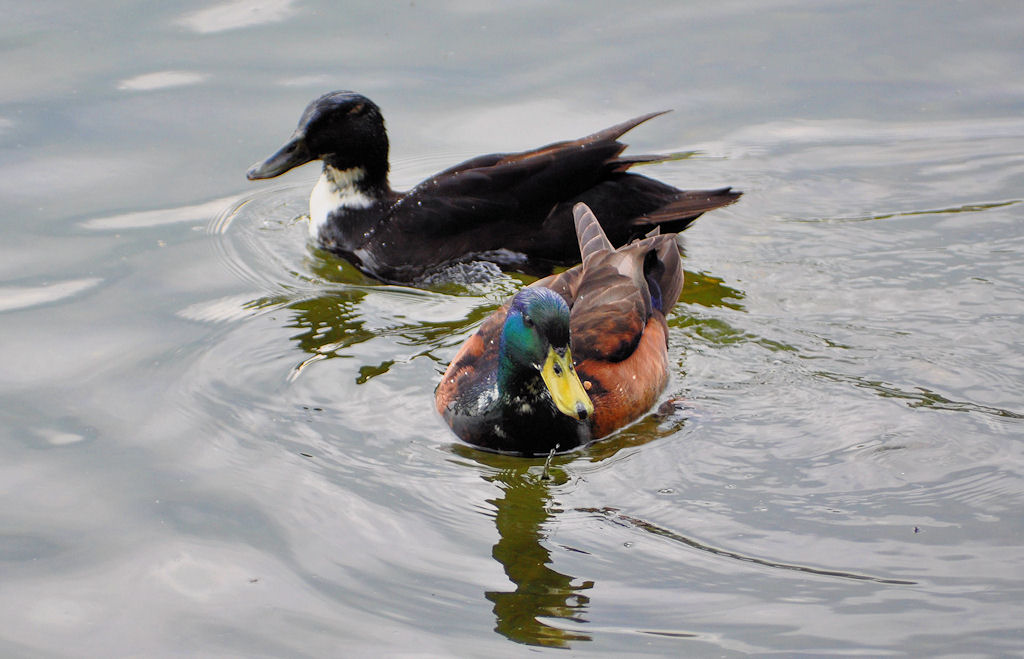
571 357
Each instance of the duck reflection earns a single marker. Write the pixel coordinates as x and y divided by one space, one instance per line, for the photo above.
523 513
334 307
333 321
337 319
525 510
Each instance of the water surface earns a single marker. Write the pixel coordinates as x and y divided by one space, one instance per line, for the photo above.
219 440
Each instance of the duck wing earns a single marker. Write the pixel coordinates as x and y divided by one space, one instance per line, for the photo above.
514 209
499 201
607 135
614 293
509 186
617 319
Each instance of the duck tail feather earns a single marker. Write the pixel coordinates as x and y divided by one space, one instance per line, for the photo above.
688 205
621 164
591 236
663 269
618 130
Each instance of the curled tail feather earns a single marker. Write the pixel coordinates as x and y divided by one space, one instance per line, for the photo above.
589 233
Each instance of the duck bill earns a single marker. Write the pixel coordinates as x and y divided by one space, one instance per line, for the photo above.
289 156
565 387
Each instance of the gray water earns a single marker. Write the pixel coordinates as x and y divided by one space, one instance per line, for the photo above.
217 440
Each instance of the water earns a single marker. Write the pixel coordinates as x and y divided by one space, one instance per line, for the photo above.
219 441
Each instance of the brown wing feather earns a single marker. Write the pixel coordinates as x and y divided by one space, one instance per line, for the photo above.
610 294
607 317
611 302
589 234
617 300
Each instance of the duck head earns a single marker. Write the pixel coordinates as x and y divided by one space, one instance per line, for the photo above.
535 342
343 129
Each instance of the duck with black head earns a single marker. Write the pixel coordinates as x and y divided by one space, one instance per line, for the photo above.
511 209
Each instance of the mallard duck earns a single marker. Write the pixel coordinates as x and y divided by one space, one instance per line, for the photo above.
510 209
571 357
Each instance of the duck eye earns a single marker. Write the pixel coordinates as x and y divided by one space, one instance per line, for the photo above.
527 321
356 109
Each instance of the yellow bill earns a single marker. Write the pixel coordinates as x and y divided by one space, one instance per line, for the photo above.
566 389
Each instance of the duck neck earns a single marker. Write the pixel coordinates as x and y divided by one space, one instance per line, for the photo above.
516 383
353 186
367 171
531 423
338 193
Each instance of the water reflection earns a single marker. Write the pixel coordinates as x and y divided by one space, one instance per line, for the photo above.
330 325
919 397
332 320
161 80
709 291
23 297
237 14
336 311
665 421
523 513
336 307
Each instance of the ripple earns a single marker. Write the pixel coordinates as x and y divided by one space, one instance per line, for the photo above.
963 208
921 397
987 489
261 238
618 517
827 431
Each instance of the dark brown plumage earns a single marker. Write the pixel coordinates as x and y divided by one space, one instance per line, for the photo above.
511 209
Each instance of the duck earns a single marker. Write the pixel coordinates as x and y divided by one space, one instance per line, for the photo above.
572 357
510 209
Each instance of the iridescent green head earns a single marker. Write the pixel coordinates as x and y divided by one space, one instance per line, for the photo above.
535 341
